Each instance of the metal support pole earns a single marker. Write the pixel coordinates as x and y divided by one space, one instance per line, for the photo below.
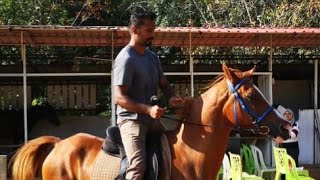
191 66
25 105
316 80
113 106
270 70
315 143
270 93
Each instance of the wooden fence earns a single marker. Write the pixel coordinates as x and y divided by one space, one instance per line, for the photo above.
11 97
66 96
72 96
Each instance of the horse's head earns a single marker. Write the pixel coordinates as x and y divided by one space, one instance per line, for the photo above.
247 107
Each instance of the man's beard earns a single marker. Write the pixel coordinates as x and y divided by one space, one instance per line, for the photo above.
148 42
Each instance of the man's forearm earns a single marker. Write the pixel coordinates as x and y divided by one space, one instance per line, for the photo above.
132 106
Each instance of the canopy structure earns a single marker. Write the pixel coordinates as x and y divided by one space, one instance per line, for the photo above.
164 36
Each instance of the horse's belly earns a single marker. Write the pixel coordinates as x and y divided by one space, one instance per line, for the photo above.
105 167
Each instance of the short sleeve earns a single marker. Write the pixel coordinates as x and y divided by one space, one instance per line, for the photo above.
123 72
159 67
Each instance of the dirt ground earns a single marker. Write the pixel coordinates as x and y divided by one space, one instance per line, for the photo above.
314 171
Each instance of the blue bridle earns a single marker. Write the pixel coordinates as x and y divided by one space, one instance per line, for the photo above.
256 118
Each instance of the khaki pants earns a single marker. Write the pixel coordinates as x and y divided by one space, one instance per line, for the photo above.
133 134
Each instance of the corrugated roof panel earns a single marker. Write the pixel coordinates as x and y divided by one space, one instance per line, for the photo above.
164 36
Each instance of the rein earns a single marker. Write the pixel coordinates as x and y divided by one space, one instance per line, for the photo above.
183 121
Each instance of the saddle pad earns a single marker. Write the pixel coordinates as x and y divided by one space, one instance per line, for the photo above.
105 167
108 167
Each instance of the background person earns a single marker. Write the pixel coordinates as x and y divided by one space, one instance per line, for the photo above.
291 144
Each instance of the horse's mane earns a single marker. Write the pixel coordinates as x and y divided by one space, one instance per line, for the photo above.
214 82
186 105
219 78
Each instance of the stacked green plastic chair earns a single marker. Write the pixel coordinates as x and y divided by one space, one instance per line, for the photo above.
260 166
226 168
236 169
285 164
220 174
248 159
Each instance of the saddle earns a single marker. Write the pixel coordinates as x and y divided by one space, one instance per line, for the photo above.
113 146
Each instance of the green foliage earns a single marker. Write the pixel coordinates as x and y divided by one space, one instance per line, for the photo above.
227 13
102 13
10 55
39 101
172 13
29 12
103 100
261 13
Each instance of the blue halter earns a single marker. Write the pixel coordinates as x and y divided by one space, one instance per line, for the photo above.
257 119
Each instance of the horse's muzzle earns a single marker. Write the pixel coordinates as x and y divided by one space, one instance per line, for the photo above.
284 133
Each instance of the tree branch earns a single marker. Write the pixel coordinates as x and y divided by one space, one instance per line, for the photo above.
202 15
248 13
84 5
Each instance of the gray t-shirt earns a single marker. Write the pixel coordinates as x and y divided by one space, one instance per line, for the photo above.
141 74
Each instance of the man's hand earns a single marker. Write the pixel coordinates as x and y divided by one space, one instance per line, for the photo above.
156 112
287 126
176 101
278 140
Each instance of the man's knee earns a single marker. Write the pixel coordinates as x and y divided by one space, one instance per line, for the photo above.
139 164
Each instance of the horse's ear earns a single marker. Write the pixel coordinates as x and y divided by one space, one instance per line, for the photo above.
249 73
253 70
229 74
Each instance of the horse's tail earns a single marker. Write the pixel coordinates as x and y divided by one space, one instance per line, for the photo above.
28 160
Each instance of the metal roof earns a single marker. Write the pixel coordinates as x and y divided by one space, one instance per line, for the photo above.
164 36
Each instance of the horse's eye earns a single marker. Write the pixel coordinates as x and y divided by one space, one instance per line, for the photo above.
251 97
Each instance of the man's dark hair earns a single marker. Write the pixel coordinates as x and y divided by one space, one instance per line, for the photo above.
138 16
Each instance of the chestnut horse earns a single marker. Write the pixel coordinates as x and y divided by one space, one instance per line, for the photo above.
197 148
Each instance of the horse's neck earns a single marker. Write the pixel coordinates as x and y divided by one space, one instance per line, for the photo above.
198 150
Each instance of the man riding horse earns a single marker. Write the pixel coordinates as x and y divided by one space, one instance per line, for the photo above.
137 75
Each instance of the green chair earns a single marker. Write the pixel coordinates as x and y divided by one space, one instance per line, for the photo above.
226 168
220 174
248 159
285 164
261 169
236 169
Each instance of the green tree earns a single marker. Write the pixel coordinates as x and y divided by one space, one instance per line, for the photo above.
30 12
